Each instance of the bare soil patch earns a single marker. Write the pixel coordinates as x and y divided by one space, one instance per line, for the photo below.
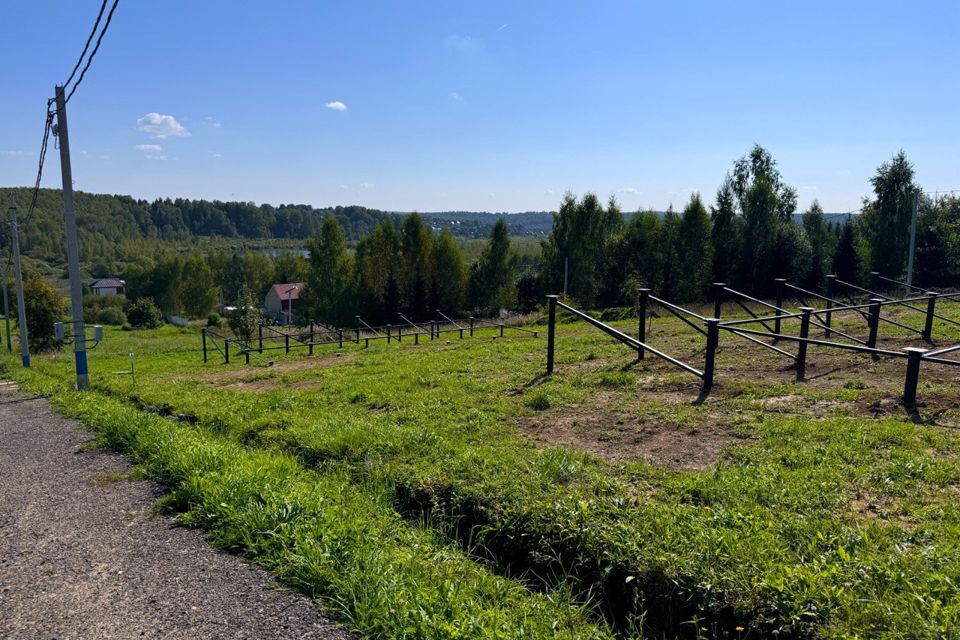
264 378
618 437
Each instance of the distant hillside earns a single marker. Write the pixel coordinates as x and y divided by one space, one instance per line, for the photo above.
477 224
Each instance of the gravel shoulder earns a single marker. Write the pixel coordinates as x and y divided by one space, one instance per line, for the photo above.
83 556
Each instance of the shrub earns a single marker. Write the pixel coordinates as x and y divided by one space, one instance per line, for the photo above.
144 314
112 315
44 307
246 317
214 320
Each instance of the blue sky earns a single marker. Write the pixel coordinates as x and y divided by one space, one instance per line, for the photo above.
497 106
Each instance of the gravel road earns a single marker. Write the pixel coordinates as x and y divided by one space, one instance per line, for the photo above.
81 556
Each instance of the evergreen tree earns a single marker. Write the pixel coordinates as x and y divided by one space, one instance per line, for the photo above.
822 246
198 288
846 261
378 256
695 250
449 274
492 284
885 221
328 297
416 266
639 253
726 235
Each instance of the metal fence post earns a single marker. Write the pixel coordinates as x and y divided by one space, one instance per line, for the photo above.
340 337
776 322
501 329
875 280
551 330
226 351
416 338
717 297
246 354
802 347
311 335
642 321
286 342
461 333
874 324
434 330
914 357
358 329
203 333
931 310
831 283
389 331
713 339
471 326
260 338
399 333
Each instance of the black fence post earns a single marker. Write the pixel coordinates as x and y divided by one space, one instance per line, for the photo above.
501 329
931 310
713 340
246 354
310 347
286 342
471 326
433 328
389 332
358 329
311 332
259 338
340 337
642 321
551 330
399 333
914 357
875 283
776 322
226 351
203 332
831 284
416 338
874 324
802 347
717 297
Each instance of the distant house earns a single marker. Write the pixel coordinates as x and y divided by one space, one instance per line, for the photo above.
107 287
280 301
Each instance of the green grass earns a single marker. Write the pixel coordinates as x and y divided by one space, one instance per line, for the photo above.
395 483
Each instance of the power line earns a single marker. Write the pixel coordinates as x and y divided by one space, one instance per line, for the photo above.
48 122
103 32
83 53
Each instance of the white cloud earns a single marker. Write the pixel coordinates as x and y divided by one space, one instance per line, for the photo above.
217 155
151 151
548 192
455 97
632 191
336 105
367 185
343 187
161 126
18 154
463 44
503 26
212 122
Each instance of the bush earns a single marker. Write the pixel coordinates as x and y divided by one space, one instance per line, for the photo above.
144 314
112 315
214 320
44 307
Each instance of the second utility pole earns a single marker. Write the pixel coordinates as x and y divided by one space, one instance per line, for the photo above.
6 306
73 246
18 274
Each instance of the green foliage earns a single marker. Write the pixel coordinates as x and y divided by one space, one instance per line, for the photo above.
885 221
822 246
214 320
846 260
245 319
328 295
449 274
583 231
44 307
144 314
198 290
695 257
492 284
112 315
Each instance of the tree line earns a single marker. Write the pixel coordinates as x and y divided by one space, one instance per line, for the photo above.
745 237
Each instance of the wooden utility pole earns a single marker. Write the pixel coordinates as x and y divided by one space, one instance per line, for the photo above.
73 246
18 274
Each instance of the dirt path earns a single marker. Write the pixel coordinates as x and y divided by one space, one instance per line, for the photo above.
81 556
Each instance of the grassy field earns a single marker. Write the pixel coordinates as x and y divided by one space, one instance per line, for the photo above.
451 490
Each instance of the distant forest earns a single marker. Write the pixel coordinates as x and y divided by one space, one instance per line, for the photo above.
185 255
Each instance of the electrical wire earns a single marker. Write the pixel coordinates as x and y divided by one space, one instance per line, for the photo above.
83 53
103 32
